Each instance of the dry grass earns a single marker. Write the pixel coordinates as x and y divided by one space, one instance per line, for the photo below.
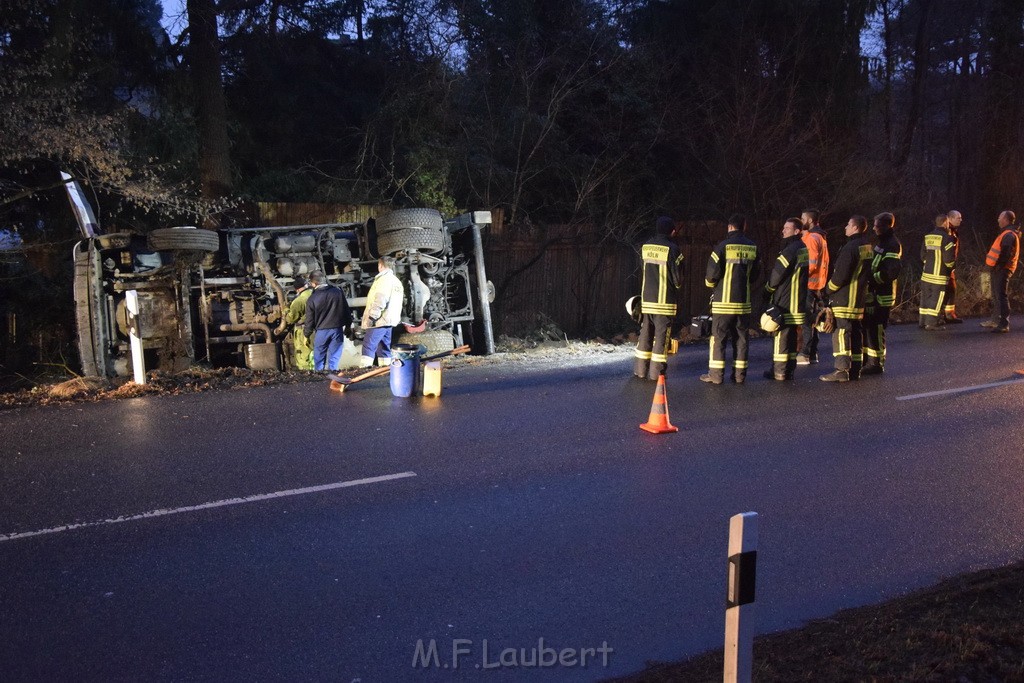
969 628
79 386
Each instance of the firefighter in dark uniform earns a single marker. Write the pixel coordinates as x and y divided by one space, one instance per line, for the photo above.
662 280
847 290
731 268
949 312
881 295
1002 259
787 284
938 256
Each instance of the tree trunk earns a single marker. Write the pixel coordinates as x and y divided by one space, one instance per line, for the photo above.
211 111
917 88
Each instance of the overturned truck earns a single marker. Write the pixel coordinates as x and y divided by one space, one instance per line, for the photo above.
221 297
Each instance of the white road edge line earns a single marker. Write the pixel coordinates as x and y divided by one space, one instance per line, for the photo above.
960 390
207 506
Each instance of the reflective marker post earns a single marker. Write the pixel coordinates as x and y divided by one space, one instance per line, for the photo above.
739 599
131 300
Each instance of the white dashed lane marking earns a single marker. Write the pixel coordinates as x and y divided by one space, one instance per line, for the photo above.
208 506
960 390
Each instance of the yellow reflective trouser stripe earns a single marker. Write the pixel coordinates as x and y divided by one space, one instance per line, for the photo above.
659 358
779 356
872 352
794 318
934 279
741 364
642 355
949 308
712 363
886 300
938 306
844 348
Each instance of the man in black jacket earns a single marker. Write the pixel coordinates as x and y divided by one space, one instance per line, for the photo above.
881 295
938 256
787 284
327 313
658 305
847 289
731 268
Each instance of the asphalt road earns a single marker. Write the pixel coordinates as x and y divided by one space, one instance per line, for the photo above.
538 509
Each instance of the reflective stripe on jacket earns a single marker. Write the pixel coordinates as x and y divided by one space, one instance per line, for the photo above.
885 269
817 258
662 276
731 268
938 256
848 286
788 281
1005 250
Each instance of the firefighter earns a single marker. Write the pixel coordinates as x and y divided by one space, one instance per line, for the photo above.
787 284
1002 259
662 263
302 346
731 268
949 311
881 295
938 256
847 290
816 240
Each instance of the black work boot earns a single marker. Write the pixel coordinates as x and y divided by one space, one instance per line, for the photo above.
871 369
836 376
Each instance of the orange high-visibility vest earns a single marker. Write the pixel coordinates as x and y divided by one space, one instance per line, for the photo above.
997 249
817 253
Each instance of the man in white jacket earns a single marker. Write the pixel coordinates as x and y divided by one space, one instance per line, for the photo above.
383 311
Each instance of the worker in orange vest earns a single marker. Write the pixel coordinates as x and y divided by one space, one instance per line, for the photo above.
1002 259
816 241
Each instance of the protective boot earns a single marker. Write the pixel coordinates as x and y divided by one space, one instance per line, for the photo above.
837 376
871 369
366 361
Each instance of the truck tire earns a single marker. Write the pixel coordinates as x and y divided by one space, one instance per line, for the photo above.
183 239
403 219
436 341
430 241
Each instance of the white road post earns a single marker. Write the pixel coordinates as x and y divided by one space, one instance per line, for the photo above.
131 300
739 599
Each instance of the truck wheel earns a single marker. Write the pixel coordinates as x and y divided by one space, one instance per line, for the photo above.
183 239
436 341
403 219
430 241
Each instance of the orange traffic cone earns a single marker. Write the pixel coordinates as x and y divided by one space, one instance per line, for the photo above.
657 422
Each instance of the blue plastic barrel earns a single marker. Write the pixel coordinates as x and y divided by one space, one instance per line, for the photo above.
405 368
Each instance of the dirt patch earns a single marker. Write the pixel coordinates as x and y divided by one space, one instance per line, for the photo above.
542 353
968 628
